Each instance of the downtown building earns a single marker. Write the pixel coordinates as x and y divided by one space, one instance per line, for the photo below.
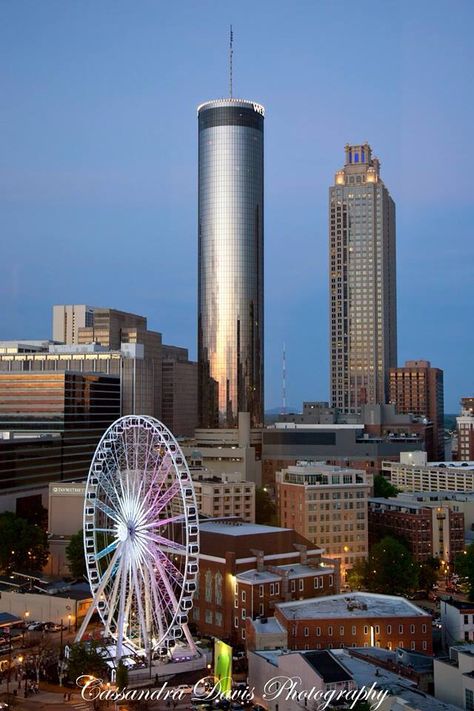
246 569
465 430
329 505
230 262
417 388
363 328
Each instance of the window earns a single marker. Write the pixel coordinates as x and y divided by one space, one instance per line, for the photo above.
412 629
389 629
236 621
413 645
243 634
377 629
329 631
209 617
244 613
301 585
423 629
316 583
261 609
277 588
243 595
293 586
469 706
208 584
218 587
318 631
260 590
219 619
341 631
272 588
366 629
466 619
306 632
354 629
331 580
425 645
400 629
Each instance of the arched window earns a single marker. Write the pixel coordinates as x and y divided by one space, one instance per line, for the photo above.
218 587
208 582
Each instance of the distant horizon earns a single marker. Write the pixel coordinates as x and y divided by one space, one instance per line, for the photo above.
98 183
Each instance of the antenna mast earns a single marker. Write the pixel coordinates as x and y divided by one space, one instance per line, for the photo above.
231 52
283 382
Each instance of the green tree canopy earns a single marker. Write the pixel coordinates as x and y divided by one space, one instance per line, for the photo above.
464 565
75 555
357 576
391 569
265 509
23 546
87 658
383 488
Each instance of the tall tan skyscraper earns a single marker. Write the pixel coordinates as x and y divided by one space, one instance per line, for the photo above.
362 282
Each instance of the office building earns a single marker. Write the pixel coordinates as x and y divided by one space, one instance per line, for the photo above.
245 569
179 411
430 529
228 451
348 445
230 254
414 473
465 430
327 505
363 313
417 388
50 425
68 319
223 495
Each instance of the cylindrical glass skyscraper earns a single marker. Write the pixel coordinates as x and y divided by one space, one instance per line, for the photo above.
230 281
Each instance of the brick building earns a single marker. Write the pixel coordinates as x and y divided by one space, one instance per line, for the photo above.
417 388
465 430
246 569
327 504
355 620
430 530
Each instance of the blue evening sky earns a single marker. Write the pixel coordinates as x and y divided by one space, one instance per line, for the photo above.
98 174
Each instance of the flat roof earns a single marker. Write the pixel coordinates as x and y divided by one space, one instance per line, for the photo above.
271 626
239 529
365 674
297 570
338 606
327 666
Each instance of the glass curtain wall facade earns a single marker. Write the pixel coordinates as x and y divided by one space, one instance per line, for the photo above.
363 317
230 266
53 422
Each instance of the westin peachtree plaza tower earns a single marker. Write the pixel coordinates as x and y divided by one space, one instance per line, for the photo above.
230 254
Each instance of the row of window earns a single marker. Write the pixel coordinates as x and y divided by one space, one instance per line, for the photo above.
354 630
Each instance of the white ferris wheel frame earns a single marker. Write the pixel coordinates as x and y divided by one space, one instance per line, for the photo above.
139 559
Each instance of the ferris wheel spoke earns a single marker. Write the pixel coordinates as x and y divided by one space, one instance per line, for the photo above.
113 600
108 549
168 496
111 513
157 523
141 614
157 609
167 543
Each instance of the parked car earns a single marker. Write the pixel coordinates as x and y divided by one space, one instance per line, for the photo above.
36 626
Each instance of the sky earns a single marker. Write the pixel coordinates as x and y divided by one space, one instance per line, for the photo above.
98 163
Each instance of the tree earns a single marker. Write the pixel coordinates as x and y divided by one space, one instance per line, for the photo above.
121 676
87 658
464 566
357 575
383 488
391 569
75 555
23 546
265 509
428 573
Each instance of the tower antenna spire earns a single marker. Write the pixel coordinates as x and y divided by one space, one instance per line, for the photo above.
231 53
283 382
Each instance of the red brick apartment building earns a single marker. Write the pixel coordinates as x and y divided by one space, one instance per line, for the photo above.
355 620
429 530
246 569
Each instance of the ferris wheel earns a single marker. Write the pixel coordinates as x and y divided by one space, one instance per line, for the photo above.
141 536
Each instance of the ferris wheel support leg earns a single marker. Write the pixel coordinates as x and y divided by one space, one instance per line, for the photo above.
96 597
190 640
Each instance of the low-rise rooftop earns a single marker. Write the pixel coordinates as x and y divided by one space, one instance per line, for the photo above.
353 605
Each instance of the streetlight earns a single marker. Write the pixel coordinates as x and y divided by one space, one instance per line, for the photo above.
69 623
